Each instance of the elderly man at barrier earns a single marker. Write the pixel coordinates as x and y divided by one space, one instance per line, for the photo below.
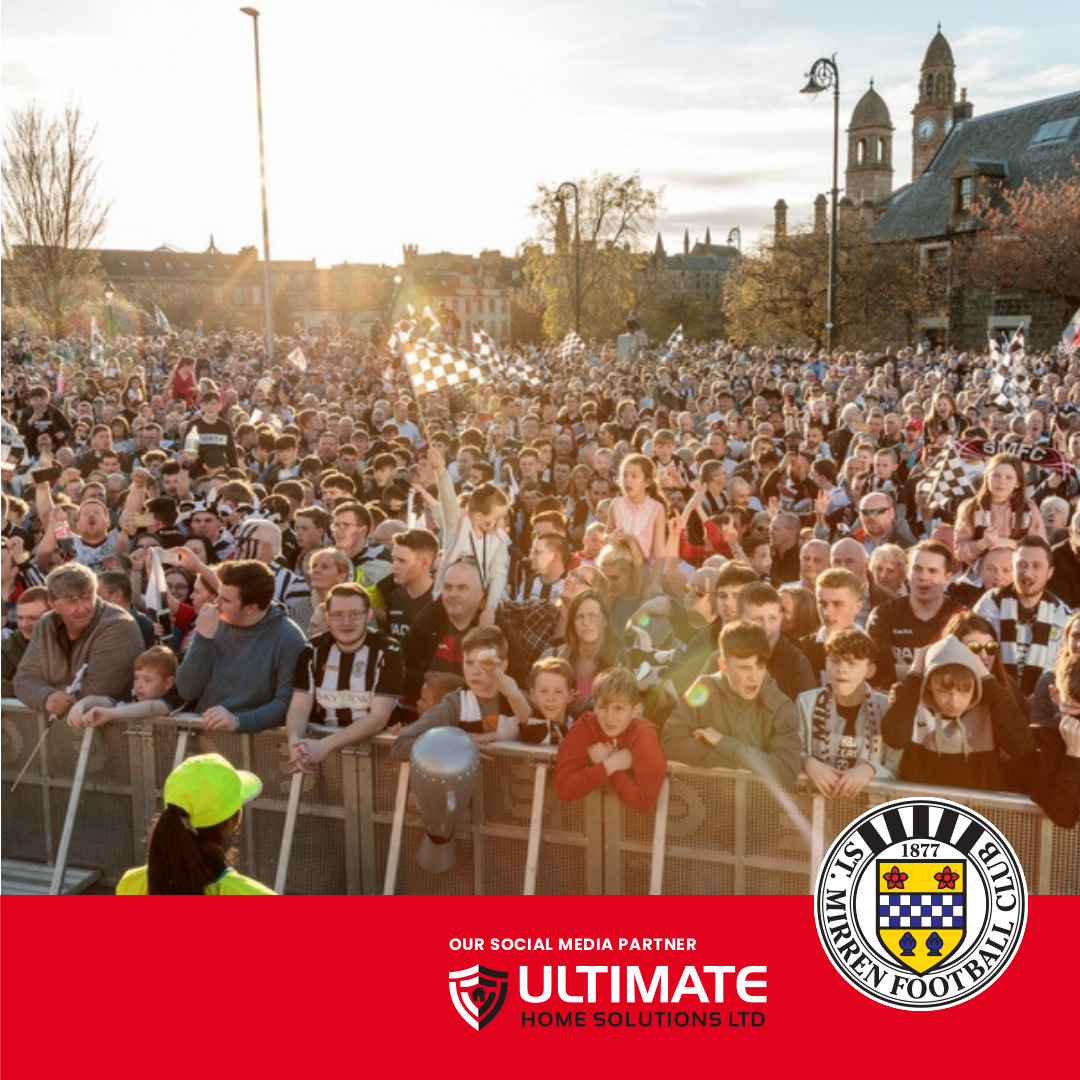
79 631
239 667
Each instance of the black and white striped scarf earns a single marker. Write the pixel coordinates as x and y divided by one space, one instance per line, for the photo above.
982 520
827 727
1025 661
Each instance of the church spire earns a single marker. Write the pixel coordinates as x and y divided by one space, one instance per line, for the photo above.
686 242
708 236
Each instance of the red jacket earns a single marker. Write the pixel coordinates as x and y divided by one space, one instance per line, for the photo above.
638 786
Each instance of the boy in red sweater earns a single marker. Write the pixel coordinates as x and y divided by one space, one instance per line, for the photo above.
612 745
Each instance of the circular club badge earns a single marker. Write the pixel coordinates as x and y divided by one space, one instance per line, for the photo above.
920 903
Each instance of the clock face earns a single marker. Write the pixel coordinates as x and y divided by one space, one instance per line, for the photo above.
926 129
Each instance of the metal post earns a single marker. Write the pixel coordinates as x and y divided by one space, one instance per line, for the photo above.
267 288
570 186
822 75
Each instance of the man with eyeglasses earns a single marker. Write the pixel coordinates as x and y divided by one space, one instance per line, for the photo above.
348 678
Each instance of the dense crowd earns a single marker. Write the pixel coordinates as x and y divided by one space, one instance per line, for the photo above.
714 554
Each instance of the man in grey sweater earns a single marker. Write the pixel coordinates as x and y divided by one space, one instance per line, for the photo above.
239 667
79 631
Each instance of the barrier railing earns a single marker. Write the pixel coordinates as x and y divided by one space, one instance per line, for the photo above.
88 798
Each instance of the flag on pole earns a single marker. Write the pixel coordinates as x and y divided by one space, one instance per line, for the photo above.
95 331
95 341
948 480
156 587
412 518
1016 343
159 318
572 343
511 482
433 368
298 359
1070 337
676 339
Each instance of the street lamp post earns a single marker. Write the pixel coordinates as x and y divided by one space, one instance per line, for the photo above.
735 237
822 75
262 178
560 196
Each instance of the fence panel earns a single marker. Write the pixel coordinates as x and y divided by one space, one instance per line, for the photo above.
726 832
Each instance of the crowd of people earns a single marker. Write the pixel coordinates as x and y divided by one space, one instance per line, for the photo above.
713 554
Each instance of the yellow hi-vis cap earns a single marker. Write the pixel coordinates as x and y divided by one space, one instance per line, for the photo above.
209 790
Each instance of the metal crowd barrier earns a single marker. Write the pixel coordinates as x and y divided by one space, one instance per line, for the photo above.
87 799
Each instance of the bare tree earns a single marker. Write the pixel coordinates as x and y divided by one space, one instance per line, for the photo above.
53 215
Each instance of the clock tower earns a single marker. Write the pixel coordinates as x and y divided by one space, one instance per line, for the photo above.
933 115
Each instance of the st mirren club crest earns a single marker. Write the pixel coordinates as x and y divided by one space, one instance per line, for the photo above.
920 903
921 911
478 994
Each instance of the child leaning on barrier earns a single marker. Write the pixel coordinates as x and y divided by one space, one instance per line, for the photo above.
552 691
490 708
613 745
841 724
154 693
738 718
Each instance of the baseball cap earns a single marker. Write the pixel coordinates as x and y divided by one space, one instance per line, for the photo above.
209 790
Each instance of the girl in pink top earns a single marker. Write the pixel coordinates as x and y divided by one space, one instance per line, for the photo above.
639 513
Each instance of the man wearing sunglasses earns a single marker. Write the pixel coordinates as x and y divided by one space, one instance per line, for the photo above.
879 524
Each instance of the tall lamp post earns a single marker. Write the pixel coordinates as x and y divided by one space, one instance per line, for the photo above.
565 189
822 75
735 237
262 178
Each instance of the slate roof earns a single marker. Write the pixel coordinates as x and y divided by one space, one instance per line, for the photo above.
922 210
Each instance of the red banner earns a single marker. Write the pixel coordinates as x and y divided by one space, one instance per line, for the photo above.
172 988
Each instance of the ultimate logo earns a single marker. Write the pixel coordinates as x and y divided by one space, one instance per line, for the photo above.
921 903
478 994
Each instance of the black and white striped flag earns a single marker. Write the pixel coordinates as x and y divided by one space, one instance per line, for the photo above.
572 343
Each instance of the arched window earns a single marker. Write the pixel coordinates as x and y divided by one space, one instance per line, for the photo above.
860 152
929 85
941 86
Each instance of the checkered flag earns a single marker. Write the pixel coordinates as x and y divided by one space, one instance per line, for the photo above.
676 339
948 480
432 367
572 343
486 349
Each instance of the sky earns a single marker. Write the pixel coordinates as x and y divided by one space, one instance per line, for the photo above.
430 122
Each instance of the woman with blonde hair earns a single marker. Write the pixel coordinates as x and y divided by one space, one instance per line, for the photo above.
999 514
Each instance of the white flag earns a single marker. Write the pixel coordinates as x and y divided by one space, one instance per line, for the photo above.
159 318
298 359
156 587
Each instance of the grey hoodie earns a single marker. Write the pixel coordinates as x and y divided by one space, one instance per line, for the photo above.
962 752
247 669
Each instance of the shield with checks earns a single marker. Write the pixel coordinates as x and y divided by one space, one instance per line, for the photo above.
921 910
